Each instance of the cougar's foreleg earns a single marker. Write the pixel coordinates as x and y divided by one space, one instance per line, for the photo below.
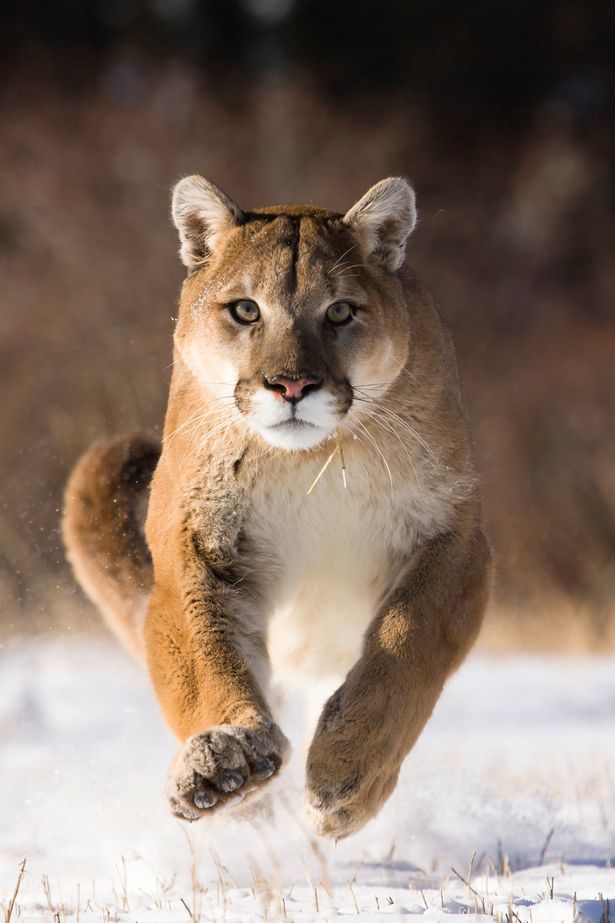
208 661
371 722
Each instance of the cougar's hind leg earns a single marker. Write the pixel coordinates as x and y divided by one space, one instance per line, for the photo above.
103 527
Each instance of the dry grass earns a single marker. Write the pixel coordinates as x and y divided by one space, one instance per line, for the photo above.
11 904
485 881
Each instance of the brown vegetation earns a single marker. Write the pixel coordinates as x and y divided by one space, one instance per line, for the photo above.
516 240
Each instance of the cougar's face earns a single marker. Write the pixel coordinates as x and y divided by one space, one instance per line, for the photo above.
286 318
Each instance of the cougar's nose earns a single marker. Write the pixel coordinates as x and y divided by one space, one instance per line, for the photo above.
293 389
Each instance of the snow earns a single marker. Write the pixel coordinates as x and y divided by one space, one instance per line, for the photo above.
512 785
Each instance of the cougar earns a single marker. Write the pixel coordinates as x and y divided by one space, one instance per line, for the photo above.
313 513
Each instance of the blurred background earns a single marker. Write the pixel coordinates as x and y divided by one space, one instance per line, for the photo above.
500 114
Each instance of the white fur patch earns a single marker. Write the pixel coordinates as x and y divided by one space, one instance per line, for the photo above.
332 556
218 376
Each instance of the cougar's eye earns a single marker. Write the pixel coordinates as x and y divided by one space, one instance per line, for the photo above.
340 313
245 311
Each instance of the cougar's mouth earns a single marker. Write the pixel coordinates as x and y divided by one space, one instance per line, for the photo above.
294 423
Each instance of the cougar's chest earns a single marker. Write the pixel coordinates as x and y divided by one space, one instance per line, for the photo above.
326 561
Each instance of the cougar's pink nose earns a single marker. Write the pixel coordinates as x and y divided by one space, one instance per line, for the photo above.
293 389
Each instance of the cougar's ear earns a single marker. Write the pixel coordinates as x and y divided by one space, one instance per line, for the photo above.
383 219
201 212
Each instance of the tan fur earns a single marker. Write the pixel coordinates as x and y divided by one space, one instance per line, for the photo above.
377 588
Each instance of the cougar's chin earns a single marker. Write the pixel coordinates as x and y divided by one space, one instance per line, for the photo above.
293 434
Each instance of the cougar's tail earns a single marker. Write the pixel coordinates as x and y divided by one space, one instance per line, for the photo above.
103 526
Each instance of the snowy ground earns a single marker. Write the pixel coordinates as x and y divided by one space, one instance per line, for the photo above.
516 768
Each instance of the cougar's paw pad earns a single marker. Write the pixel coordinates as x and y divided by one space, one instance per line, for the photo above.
221 766
229 781
263 770
204 799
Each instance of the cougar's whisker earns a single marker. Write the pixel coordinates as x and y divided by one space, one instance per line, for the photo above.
339 260
400 420
193 418
377 447
344 269
389 428
226 424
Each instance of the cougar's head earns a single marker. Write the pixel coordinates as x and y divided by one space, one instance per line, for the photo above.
287 310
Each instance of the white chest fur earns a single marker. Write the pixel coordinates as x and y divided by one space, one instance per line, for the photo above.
329 559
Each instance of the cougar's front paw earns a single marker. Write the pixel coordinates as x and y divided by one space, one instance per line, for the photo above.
222 766
351 771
